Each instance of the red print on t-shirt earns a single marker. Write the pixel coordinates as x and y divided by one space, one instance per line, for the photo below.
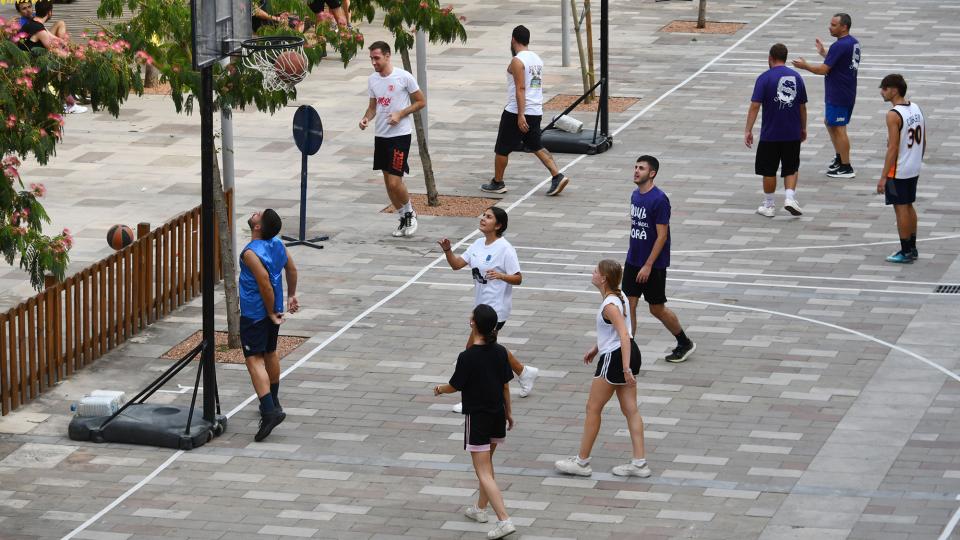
383 101
390 88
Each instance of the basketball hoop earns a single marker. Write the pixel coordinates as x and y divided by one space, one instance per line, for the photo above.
279 59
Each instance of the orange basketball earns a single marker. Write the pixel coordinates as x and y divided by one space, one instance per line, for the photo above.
291 67
119 237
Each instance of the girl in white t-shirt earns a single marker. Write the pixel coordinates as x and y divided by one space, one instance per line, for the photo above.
618 362
495 269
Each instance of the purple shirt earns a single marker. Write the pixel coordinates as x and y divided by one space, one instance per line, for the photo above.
840 84
647 210
781 91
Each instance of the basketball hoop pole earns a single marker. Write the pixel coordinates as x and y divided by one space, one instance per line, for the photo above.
207 155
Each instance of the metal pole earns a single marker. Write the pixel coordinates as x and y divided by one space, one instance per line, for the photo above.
207 155
604 75
422 76
564 33
303 195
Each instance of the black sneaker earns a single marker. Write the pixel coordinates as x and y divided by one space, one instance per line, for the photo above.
557 183
681 353
834 165
494 187
267 423
914 254
843 171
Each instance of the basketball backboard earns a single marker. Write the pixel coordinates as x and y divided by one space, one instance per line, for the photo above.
219 26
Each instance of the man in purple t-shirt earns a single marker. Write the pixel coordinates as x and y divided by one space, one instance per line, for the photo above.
645 271
783 96
839 68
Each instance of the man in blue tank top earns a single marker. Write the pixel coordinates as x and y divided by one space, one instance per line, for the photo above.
263 262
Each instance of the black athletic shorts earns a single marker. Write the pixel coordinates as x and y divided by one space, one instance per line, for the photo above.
511 139
772 154
901 190
390 154
610 365
483 428
317 5
654 291
258 337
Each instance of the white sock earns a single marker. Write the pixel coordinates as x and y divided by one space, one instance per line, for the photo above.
504 521
791 194
583 462
768 200
406 208
638 462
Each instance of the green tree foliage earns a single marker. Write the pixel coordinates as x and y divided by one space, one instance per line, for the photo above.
33 86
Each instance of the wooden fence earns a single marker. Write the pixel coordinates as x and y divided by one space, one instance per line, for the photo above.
72 323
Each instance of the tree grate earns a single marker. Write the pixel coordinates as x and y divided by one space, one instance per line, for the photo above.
947 289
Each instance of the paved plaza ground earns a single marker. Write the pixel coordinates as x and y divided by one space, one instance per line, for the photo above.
821 403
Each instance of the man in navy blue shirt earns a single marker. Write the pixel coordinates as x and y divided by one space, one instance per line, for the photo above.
645 270
839 68
263 263
783 96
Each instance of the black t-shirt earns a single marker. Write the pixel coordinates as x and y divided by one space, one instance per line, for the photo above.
481 372
31 28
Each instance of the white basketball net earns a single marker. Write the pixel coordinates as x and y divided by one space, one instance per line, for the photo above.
282 68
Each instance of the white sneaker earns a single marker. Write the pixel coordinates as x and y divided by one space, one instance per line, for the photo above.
571 466
411 226
793 207
74 109
632 470
398 232
503 528
526 380
458 408
474 513
767 211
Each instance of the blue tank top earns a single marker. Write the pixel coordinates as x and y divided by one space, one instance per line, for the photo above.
273 254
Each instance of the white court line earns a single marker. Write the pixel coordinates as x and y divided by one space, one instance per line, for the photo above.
756 274
868 337
740 250
767 285
951 525
416 276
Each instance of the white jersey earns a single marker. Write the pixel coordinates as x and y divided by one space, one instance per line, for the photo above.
912 133
393 95
533 83
499 256
608 340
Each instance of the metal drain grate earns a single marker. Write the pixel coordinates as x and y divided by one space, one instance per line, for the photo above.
947 289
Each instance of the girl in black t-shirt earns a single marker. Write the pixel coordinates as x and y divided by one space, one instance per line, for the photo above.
482 377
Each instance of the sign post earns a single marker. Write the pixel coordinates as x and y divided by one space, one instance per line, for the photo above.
308 134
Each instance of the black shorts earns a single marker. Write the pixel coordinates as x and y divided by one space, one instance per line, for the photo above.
258 337
772 154
511 139
901 190
390 154
483 429
610 365
654 291
317 5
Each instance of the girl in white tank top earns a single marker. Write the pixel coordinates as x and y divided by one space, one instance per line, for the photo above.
618 362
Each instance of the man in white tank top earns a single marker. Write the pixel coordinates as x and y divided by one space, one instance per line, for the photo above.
520 120
906 145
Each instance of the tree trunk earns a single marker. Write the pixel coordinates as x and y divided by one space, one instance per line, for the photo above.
433 198
151 76
583 60
702 15
590 71
227 260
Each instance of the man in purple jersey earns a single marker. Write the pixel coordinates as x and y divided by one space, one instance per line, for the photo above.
783 96
839 68
645 271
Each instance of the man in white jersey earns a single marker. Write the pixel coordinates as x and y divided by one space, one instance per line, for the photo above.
391 90
906 145
521 131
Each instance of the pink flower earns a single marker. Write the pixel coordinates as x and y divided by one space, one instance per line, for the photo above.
15 218
39 190
58 118
43 132
4 65
57 246
11 121
424 5
143 57
11 173
25 213
11 161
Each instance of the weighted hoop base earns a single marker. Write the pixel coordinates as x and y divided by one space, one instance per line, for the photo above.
563 142
150 424
291 241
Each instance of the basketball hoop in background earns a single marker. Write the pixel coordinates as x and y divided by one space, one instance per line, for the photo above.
280 59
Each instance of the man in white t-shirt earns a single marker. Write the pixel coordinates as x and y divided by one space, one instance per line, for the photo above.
522 131
391 90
